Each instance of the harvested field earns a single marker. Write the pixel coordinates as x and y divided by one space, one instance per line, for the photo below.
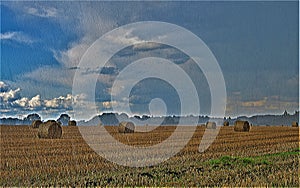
265 156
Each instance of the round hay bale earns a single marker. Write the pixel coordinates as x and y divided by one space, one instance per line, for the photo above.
294 124
36 123
241 126
126 127
72 123
51 129
226 123
211 125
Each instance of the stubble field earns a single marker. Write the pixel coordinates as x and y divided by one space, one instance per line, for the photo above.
265 156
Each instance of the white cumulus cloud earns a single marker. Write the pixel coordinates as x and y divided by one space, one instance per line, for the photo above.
10 95
35 102
11 98
62 101
23 102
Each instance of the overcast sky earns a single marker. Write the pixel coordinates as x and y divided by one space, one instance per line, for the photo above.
255 44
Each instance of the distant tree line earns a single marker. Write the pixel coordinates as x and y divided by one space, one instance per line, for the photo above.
115 118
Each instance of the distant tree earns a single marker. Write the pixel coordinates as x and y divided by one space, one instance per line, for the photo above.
64 119
123 115
11 121
169 120
32 117
145 117
285 113
109 119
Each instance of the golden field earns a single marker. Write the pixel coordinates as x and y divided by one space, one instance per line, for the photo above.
265 156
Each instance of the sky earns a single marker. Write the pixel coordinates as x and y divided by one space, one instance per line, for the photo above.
42 43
